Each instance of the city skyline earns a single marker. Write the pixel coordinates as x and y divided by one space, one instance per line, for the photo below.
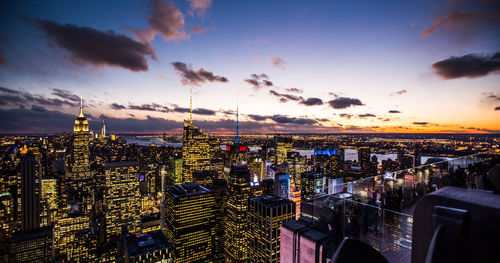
324 67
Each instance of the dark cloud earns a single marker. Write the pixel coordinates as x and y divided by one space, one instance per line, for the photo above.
164 20
259 81
283 119
192 77
149 107
286 119
285 97
295 90
2 60
201 111
257 117
422 123
66 94
394 111
99 48
198 111
497 108
277 62
116 106
312 102
38 108
7 90
198 29
344 102
366 115
10 97
399 92
34 120
469 66
345 115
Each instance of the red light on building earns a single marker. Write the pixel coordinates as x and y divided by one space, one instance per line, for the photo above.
228 148
243 148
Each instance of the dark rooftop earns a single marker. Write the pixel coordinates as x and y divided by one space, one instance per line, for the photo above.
187 189
146 242
120 164
270 200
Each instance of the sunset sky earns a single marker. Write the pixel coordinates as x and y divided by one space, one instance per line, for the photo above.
290 66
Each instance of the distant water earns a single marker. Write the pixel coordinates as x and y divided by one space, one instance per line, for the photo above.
149 141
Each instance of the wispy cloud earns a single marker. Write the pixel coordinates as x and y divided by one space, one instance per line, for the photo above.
259 81
277 62
399 92
165 20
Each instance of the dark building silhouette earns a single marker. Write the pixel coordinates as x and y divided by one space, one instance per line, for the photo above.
30 192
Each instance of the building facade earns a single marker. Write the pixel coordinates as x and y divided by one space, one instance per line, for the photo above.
236 246
266 214
196 151
190 217
122 201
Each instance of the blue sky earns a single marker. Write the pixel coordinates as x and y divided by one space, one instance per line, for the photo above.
378 53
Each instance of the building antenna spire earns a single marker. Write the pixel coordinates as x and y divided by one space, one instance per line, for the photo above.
81 102
237 125
191 106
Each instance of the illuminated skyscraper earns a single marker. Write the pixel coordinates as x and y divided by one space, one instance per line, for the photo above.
282 185
80 182
49 200
266 214
195 151
81 167
196 148
72 235
103 129
236 220
34 245
296 165
295 197
282 145
190 222
364 158
122 199
205 177
313 185
219 187
6 215
237 152
330 160
175 169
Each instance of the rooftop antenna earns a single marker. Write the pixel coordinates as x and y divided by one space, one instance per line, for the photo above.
81 102
191 106
237 125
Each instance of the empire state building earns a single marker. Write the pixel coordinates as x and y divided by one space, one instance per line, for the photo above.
81 168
